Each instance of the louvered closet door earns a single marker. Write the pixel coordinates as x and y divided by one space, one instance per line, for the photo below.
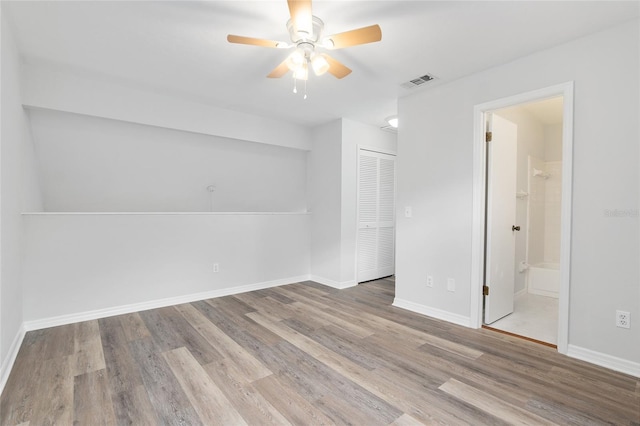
376 215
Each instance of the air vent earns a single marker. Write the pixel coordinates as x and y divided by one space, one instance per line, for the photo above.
417 81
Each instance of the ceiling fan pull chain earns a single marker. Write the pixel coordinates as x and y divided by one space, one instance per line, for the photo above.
295 89
305 90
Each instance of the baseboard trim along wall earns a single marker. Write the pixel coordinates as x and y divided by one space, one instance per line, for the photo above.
593 357
432 312
7 364
12 354
604 360
153 304
332 283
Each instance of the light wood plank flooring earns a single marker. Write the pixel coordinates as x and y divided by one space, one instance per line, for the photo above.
302 354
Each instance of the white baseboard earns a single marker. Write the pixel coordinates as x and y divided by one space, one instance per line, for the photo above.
160 303
604 360
540 292
7 363
432 312
520 293
334 284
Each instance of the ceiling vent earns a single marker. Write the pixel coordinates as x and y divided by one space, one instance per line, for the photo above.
416 82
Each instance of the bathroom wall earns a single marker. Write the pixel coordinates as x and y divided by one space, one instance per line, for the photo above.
553 142
552 208
536 212
553 191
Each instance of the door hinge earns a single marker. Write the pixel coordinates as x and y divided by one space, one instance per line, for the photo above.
488 136
485 290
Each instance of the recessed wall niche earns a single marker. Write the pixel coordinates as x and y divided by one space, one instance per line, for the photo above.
90 164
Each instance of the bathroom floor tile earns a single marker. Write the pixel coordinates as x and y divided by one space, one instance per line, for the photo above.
533 316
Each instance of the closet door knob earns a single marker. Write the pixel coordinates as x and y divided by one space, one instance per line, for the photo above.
515 228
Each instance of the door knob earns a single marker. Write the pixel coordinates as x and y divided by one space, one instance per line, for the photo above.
515 228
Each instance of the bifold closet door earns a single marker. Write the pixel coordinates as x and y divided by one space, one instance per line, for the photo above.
376 215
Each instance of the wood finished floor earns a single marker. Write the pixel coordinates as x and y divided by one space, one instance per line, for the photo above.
302 354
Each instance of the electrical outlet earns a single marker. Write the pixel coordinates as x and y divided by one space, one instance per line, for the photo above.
429 281
408 211
216 267
623 319
451 284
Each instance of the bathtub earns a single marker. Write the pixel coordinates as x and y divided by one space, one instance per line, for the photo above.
544 279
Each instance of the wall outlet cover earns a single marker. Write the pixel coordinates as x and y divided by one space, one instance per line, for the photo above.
623 319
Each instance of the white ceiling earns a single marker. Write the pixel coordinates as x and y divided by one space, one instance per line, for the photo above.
548 111
180 48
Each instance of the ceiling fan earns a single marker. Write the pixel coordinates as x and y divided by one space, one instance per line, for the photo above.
305 31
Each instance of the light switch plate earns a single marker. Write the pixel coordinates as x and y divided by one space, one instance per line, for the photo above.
451 284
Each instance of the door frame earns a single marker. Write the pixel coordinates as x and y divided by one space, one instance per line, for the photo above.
359 148
479 205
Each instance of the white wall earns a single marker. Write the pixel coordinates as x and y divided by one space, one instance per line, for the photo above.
333 193
95 164
52 88
19 190
435 177
78 263
325 182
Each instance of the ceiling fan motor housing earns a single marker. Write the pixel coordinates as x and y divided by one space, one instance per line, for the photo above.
301 35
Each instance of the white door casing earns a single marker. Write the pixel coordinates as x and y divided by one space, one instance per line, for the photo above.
501 216
566 90
376 215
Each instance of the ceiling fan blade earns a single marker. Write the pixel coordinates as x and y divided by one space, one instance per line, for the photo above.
336 68
255 41
363 35
300 11
280 70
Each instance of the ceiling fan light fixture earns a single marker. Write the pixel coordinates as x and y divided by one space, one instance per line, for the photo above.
393 121
306 32
295 60
302 72
319 64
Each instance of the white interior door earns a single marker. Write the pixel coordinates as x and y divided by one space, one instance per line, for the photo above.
501 216
376 215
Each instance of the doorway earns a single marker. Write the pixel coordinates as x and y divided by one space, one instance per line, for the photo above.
520 266
524 192
376 215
